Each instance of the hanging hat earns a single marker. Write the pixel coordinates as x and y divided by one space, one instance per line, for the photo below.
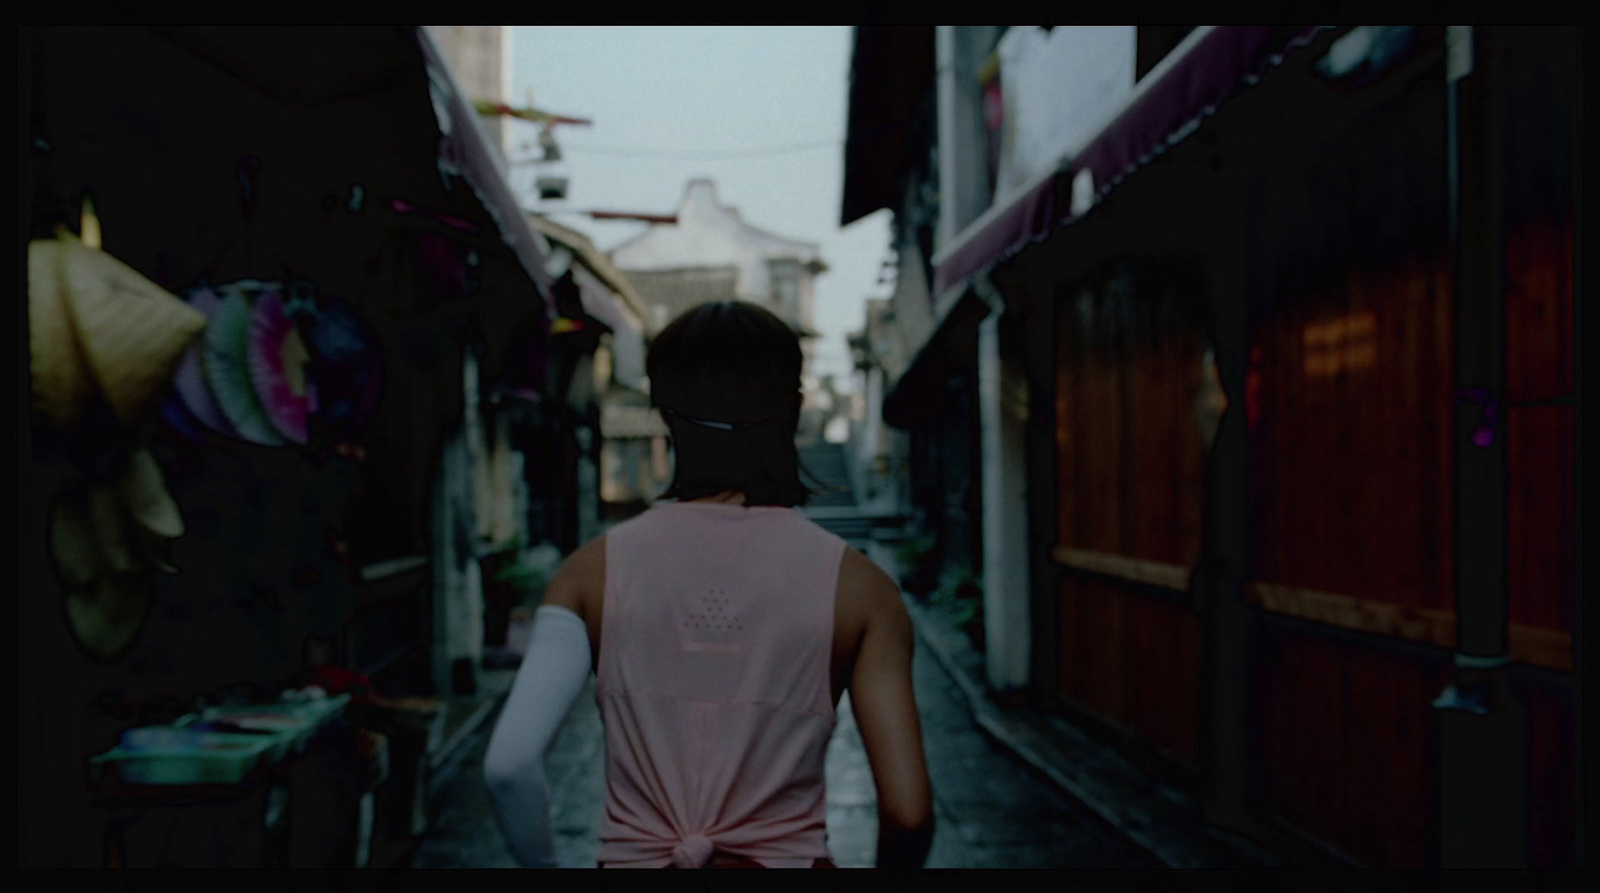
132 331
153 550
106 615
73 545
62 384
109 521
144 495
104 610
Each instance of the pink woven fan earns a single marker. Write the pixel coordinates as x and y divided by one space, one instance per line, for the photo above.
227 369
278 368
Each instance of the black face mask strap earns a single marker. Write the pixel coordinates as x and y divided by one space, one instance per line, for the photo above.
720 426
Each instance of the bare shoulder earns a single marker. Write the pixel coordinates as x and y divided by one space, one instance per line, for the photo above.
866 593
579 584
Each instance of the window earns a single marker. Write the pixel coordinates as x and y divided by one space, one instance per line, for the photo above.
786 284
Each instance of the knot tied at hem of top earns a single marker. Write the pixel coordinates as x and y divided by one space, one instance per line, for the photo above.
693 851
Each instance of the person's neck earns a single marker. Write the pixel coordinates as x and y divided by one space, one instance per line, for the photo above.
733 497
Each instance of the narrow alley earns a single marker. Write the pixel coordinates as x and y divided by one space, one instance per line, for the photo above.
1210 395
992 812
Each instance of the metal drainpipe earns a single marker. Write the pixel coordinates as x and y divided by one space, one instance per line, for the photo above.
1482 794
1007 628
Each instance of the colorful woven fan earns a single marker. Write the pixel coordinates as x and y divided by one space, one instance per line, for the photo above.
227 371
196 398
347 367
278 362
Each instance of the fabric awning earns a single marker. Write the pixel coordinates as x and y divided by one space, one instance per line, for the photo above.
891 71
627 336
1212 64
469 146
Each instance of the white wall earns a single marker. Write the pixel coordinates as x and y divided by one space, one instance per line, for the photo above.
1059 90
708 235
478 56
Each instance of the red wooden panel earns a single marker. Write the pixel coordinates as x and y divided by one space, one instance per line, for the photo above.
1164 675
1092 648
1134 659
1105 463
1392 752
1539 309
1071 654
1541 518
1108 637
1066 441
1306 735
1350 465
1552 799
1131 462
1539 440
1186 687
1086 611
1149 666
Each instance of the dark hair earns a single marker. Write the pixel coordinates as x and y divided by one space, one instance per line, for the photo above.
726 376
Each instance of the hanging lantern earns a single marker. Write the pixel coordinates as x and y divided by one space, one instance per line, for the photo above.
547 142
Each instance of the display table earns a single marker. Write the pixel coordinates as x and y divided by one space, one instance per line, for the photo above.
311 807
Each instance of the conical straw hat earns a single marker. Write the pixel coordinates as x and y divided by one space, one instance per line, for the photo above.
62 384
110 530
73 546
153 550
144 494
107 615
132 331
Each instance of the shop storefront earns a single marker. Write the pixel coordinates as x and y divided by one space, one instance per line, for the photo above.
1296 431
334 274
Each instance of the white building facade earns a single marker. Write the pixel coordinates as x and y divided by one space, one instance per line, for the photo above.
710 254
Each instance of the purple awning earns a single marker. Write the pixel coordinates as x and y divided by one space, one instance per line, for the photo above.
1029 216
1158 116
468 146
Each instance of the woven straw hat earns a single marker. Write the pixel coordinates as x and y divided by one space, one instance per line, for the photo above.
144 494
72 542
62 384
109 520
104 564
106 615
132 331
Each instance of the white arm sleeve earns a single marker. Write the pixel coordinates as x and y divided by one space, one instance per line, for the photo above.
548 683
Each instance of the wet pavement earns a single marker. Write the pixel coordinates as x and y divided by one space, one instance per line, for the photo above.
992 810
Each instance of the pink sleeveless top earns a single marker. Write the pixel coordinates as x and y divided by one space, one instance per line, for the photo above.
713 684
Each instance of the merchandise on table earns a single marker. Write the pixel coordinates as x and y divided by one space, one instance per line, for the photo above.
171 757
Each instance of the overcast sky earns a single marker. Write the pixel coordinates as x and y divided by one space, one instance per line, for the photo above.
759 110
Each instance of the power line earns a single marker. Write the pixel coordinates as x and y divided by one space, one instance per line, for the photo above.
622 152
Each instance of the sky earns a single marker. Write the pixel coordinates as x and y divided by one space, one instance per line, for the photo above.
761 111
